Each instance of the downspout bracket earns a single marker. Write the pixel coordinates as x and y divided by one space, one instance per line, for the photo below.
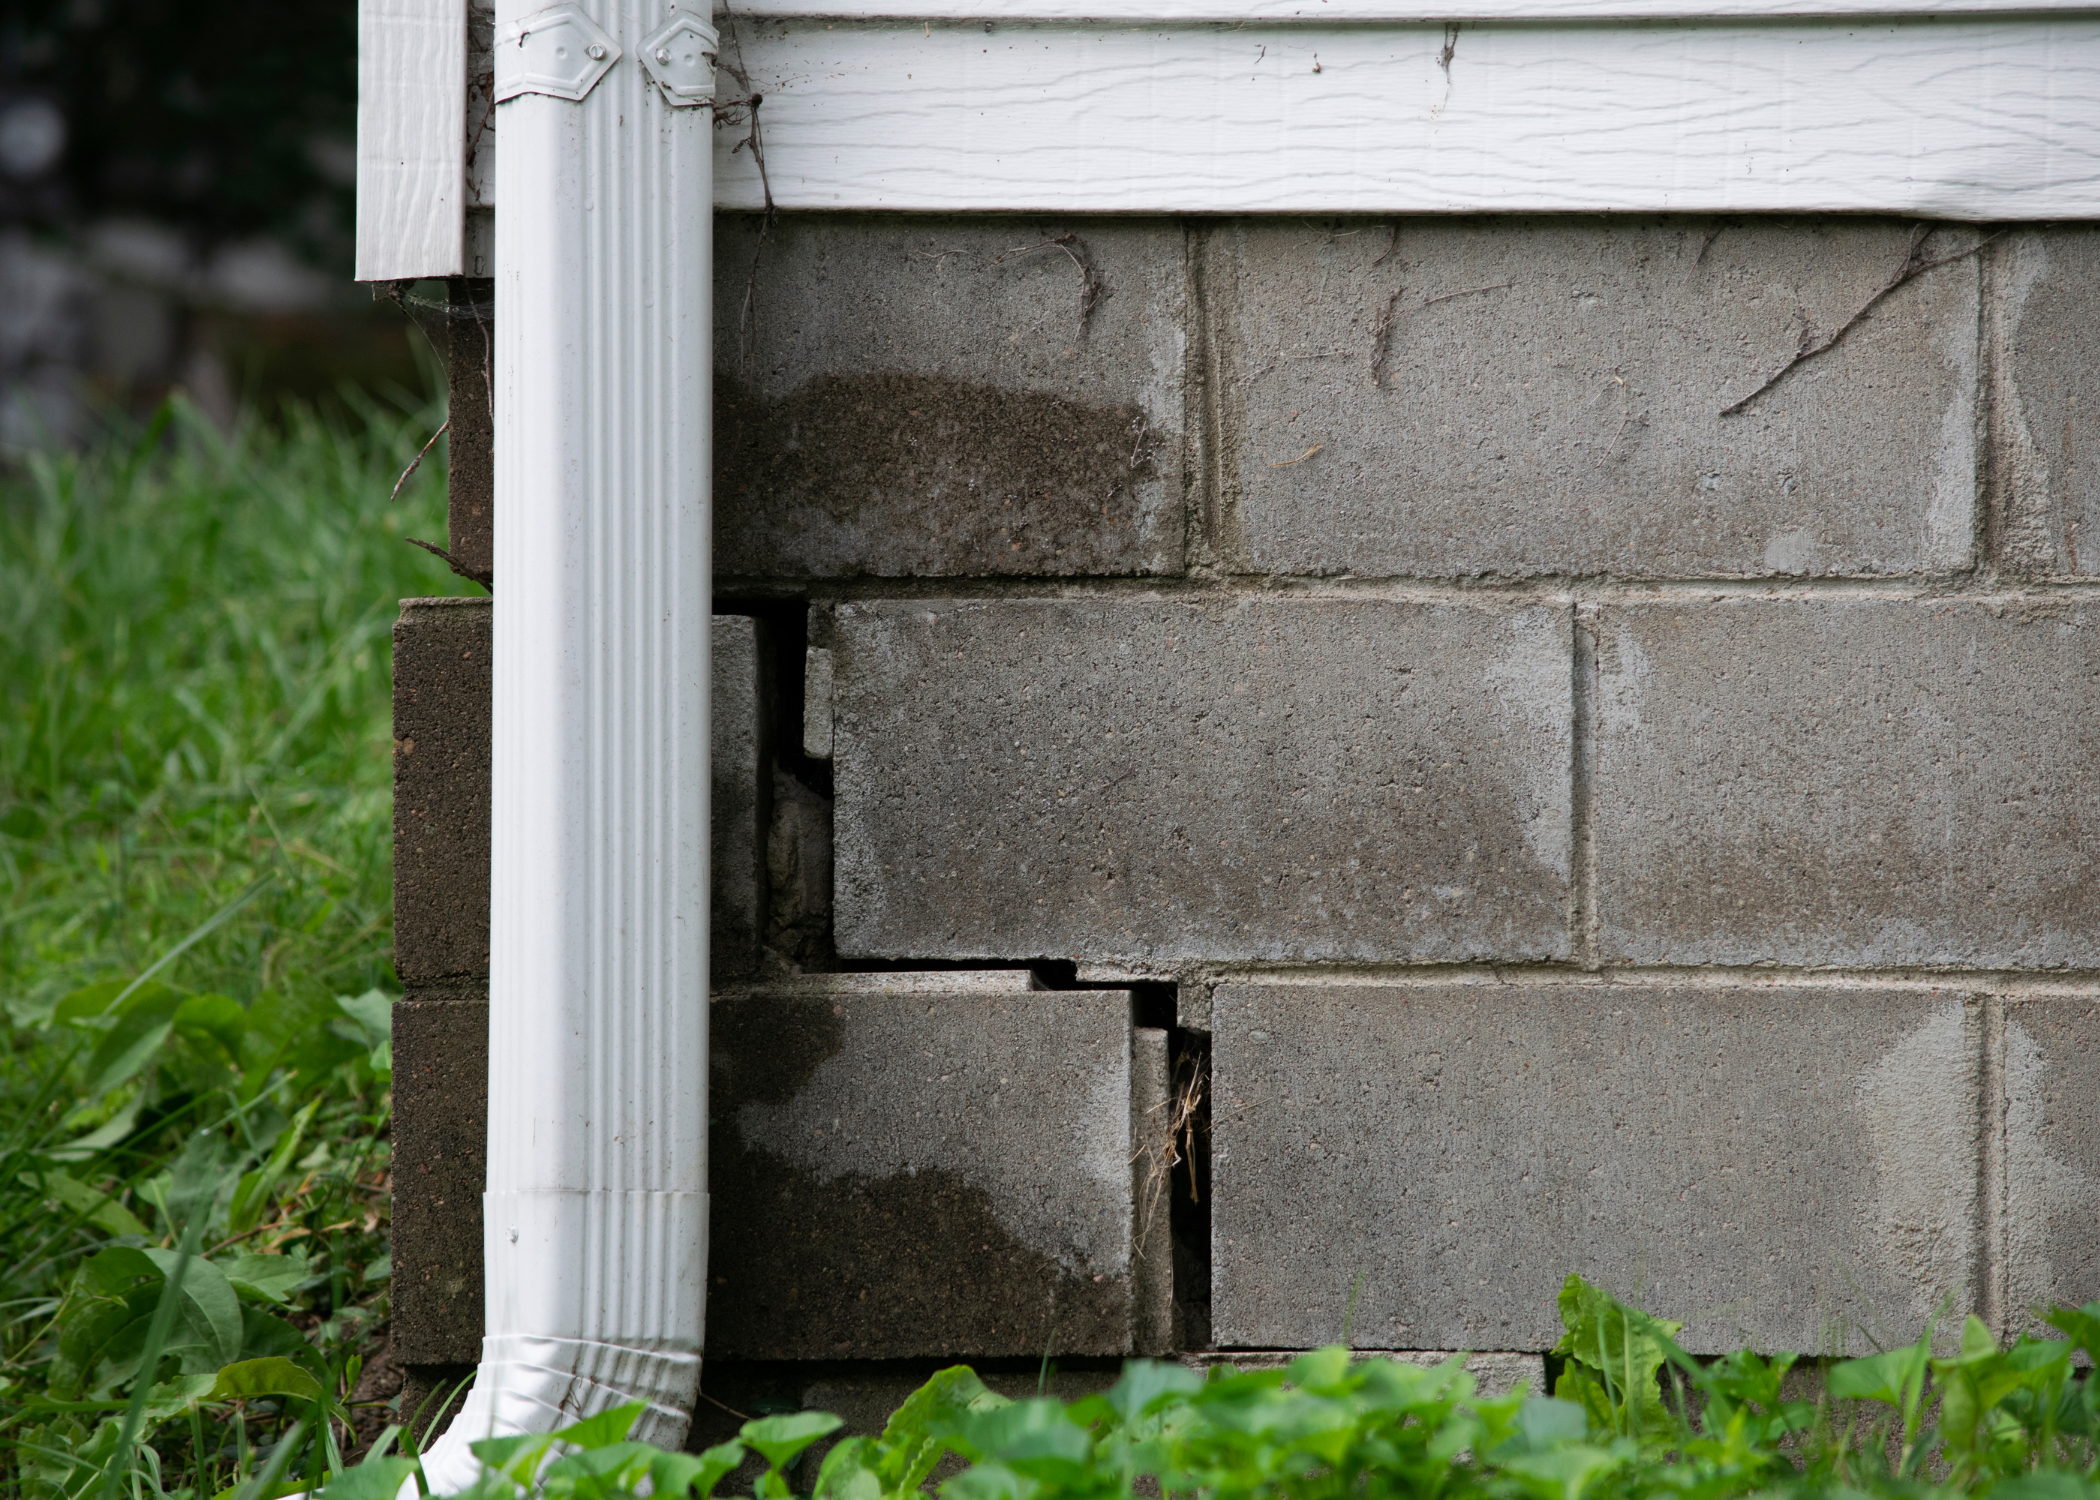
680 56
558 51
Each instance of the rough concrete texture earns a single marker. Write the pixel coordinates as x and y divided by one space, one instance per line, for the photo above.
1158 780
798 874
906 397
740 809
816 703
1773 1165
2046 415
1439 398
441 790
921 1169
1858 781
441 1095
470 442
1495 1374
2050 1061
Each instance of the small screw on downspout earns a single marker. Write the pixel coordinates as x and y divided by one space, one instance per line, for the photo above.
594 52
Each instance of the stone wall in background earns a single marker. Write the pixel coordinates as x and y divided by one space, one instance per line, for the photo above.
1569 744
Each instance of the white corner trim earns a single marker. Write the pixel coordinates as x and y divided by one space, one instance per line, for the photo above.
411 138
1967 118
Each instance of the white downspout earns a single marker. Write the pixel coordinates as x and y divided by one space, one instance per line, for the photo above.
596 1210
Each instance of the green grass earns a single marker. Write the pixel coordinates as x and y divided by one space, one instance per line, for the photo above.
195 930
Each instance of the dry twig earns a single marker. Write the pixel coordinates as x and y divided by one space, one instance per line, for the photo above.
481 576
1075 247
417 462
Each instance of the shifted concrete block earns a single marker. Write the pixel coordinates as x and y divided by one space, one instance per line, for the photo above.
1855 781
2046 411
920 1165
905 397
441 790
1149 781
2050 1056
740 809
1774 1165
1441 398
440 1166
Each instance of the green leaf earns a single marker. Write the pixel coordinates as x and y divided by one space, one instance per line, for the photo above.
605 1429
267 1278
214 1019
1893 1378
715 1464
1147 1385
373 1011
989 1482
207 1294
1562 1473
173 1397
263 1377
1320 1370
142 1026
374 1479
1621 1347
1036 1439
91 1004
781 1438
919 1431
252 1195
99 1209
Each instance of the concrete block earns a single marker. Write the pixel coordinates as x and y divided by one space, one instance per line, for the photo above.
934 397
2046 412
740 812
1149 781
816 703
1495 1374
937 1165
2050 1157
1440 398
1774 1165
441 1101
1855 781
798 872
441 790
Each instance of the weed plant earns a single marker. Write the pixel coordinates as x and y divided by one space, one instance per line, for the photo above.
195 923
1633 1417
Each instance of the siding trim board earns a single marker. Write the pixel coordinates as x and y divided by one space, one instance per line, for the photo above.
1977 117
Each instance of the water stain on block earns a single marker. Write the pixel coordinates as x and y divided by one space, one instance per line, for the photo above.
918 1170
897 475
887 1268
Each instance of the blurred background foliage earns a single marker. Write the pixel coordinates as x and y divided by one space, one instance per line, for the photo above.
176 211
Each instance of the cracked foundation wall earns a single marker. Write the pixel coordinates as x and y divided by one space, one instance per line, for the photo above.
1579 731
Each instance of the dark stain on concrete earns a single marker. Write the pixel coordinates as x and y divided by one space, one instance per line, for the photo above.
441 1104
441 790
763 1051
899 475
916 1264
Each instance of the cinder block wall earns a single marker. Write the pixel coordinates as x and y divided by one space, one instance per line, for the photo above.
1580 733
